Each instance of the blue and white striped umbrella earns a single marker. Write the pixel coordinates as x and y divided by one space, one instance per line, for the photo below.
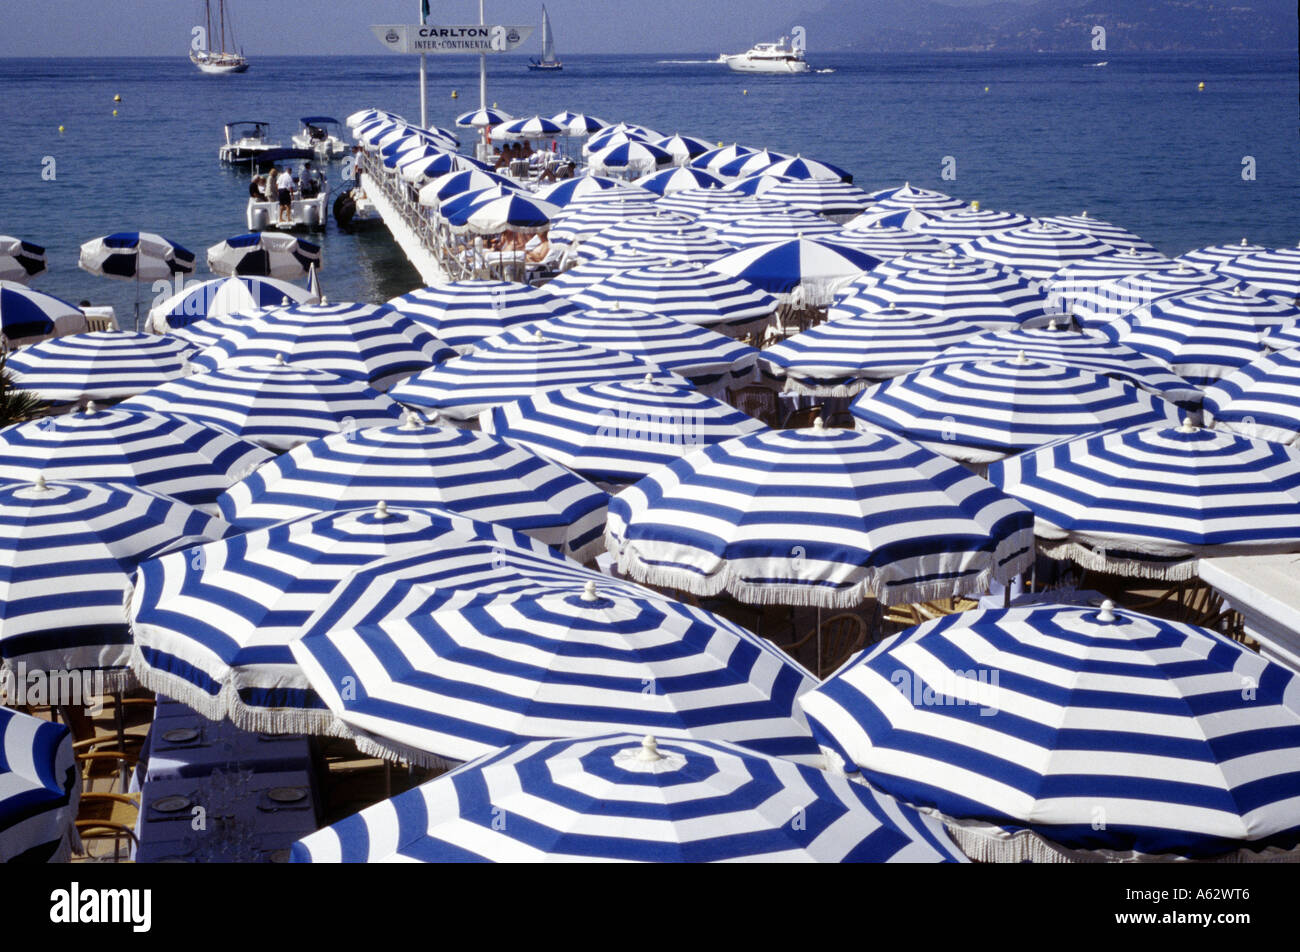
367 342
39 790
632 158
164 454
721 215
1109 734
1080 280
459 673
1110 233
518 213
771 227
20 261
68 550
1275 273
454 183
1037 250
887 243
271 404
468 473
820 517
411 150
27 314
683 148
905 196
1260 400
1086 350
712 362
967 224
1211 256
1202 335
811 170
638 226
99 365
420 171
579 124
531 127
990 409
478 118
696 201
135 255
1149 502
582 220
265 254
841 356
464 313
677 247
881 215
806 270
1115 298
458 204
687 292
203 334
222 297
611 137
752 163
836 200
212 624
990 295
715 159
628 195
757 184
627 798
901 265
508 367
594 270
678 179
569 190
617 433
366 116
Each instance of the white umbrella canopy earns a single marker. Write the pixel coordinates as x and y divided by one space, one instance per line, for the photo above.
28 315
98 365
20 261
221 297
265 254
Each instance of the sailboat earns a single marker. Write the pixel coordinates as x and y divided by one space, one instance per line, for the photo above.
224 61
548 62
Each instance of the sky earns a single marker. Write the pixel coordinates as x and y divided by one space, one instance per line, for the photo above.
307 27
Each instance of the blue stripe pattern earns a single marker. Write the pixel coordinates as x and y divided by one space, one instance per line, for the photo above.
99 365
39 789
1180 741
1261 400
621 799
464 313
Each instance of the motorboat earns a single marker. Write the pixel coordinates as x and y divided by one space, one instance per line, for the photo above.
320 134
222 60
246 140
309 212
776 57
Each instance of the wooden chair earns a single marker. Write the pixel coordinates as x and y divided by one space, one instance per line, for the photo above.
107 816
802 419
758 402
842 636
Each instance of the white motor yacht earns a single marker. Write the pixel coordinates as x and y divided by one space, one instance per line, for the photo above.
776 57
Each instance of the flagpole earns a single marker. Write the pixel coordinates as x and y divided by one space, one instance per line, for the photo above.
482 66
424 96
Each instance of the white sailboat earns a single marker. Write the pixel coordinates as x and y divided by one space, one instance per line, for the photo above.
223 60
548 62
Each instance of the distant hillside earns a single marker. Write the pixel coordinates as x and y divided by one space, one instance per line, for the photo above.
1053 25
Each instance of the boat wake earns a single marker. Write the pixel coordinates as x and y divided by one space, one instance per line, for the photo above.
827 70
684 62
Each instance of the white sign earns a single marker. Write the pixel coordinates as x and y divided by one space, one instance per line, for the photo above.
439 38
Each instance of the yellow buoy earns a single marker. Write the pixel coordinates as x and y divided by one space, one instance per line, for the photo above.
117 98
986 89
115 112
744 92
454 94
1200 86
60 128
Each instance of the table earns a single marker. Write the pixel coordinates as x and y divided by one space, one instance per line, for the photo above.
226 817
1266 590
210 745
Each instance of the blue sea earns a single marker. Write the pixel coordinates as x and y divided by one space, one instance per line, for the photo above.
1134 142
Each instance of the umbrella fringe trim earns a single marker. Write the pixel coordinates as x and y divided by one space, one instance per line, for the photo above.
985 843
1088 558
795 386
389 750
808 596
281 720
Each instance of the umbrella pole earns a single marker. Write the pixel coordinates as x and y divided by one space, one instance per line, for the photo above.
819 641
388 778
137 296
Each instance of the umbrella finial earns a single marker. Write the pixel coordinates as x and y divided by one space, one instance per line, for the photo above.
648 378
1084 213
818 424
90 407
649 749
589 592
1021 358
412 421
40 483
1051 326
382 509
1188 426
1107 612
279 359
1243 242
975 205
537 337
